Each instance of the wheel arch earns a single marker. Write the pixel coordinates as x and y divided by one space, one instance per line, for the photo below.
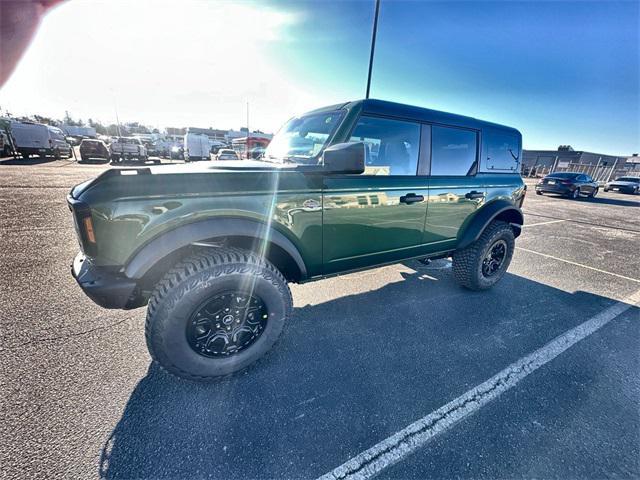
498 210
161 253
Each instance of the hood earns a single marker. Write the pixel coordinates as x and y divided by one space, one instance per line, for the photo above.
208 178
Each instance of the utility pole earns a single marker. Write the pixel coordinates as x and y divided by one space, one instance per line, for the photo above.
373 46
246 146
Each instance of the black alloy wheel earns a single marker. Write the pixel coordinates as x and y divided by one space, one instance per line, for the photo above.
494 258
226 324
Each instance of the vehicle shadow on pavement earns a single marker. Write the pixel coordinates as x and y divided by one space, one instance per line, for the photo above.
346 374
27 161
633 201
605 200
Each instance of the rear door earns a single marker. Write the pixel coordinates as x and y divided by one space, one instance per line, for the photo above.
455 189
378 216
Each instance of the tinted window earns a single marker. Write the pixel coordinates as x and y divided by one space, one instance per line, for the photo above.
391 145
503 150
453 151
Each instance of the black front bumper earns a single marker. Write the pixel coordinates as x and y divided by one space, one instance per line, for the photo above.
107 289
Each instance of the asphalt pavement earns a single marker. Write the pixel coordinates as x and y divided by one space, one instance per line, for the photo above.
364 356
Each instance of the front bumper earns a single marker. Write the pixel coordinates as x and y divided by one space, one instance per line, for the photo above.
107 289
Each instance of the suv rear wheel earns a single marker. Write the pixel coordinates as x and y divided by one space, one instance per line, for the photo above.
216 313
483 263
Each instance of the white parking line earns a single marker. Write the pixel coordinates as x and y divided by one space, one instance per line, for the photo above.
542 223
578 264
400 445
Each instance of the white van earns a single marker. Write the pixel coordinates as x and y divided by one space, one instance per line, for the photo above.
59 143
196 147
37 139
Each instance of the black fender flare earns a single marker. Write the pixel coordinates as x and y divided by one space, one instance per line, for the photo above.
470 232
165 244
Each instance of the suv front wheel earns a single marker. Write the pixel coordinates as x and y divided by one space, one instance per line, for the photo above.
216 313
483 263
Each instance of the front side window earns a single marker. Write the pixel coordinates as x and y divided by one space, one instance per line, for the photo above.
391 145
453 151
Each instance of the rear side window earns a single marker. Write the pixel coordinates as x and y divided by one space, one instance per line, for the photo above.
503 150
391 145
453 151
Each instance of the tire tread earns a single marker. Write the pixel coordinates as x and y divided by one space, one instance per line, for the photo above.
220 261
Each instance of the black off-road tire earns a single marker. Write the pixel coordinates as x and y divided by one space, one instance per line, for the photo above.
190 283
467 262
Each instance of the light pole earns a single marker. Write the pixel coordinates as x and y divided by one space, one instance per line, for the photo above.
373 46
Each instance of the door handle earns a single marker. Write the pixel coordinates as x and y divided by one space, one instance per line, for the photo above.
410 198
473 194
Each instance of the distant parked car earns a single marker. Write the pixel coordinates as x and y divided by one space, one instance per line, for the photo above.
257 152
127 148
226 154
176 153
624 185
93 149
569 184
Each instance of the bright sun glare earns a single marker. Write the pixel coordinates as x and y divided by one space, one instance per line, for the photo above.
89 57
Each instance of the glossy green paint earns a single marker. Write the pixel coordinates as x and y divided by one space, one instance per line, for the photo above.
365 223
449 208
129 211
336 222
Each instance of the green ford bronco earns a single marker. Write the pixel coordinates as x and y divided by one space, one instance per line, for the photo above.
211 247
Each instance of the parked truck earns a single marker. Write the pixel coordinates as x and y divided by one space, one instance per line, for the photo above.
125 149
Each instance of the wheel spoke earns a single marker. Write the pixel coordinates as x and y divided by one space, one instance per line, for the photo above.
494 258
226 324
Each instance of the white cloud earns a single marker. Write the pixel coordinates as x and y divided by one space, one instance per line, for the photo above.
164 63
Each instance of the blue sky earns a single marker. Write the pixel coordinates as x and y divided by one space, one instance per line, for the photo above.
561 72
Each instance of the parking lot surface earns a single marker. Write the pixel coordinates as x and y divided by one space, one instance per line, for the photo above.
364 356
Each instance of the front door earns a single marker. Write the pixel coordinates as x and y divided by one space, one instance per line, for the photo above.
379 216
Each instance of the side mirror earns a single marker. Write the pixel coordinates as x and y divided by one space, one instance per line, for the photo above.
344 158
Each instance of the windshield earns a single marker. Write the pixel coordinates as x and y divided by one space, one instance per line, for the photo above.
302 139
628 179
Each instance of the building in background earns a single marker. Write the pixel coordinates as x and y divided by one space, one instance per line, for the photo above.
564 156
537 163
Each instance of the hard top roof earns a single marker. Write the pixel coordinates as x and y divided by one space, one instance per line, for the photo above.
393 109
